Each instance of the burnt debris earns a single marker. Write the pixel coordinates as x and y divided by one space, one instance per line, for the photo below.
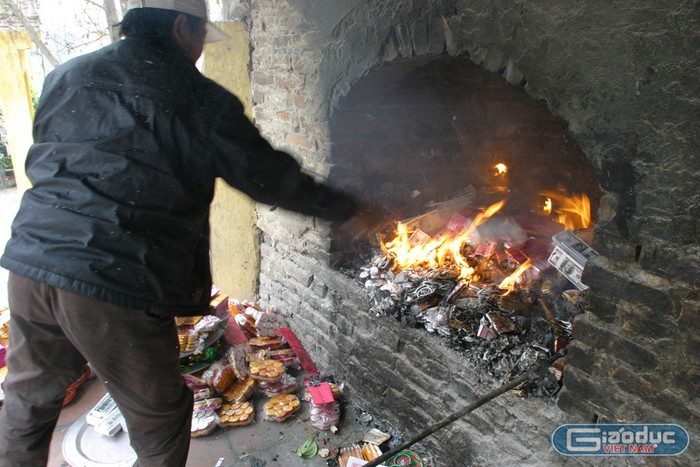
510 314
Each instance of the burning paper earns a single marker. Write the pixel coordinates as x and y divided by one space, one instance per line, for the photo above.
444 251
474 275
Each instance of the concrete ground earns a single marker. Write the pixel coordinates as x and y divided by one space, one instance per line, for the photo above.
260 444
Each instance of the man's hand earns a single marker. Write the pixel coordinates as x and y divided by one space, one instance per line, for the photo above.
369 218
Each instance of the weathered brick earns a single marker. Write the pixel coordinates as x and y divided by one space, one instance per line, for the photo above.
299 101
576 409
609 242
434 369
689 319
262 79
602 305
649 393
687 381
346 326
672 260
318 288
616 346
626 285
284 116
259 98
300 141
289 82
638 319
300 275
583 397
281 41
582 357
403 399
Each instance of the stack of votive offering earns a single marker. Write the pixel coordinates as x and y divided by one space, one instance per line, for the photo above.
258 356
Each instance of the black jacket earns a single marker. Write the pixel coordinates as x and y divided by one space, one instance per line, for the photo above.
128 142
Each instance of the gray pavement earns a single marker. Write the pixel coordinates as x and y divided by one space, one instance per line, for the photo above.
9 203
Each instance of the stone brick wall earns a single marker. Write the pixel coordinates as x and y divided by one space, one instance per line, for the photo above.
406 378
625 80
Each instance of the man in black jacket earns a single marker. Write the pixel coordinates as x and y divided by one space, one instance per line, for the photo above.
112 240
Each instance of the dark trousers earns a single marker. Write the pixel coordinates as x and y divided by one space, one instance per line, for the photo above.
135 354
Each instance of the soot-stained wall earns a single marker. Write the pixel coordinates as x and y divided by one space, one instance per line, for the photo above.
623 76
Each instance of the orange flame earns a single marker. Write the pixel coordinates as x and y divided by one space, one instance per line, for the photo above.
501 169
547 206
440 252
573 211
509 282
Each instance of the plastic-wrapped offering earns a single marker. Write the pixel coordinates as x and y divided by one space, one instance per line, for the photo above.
267 323
254 310
236 414
194 382
259 354
269 371
238 358
209 404
219 375
287 385
203 422
207 324
219 303
187 320
187 340
286 356
266 342
317 394
247 324
370 451
280 408
235 307
241 390
204 393
323 416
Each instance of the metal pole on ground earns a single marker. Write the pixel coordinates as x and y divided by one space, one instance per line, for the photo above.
531 374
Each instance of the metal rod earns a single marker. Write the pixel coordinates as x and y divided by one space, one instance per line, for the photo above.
446 421
464 411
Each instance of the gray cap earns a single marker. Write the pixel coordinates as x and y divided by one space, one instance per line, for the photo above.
196 8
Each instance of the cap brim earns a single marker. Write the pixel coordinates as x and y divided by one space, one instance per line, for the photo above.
214 34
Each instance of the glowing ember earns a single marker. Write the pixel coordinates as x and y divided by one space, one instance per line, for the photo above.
444 251
573 211
501 169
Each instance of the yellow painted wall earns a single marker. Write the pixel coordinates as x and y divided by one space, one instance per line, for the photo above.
235 246
15 99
